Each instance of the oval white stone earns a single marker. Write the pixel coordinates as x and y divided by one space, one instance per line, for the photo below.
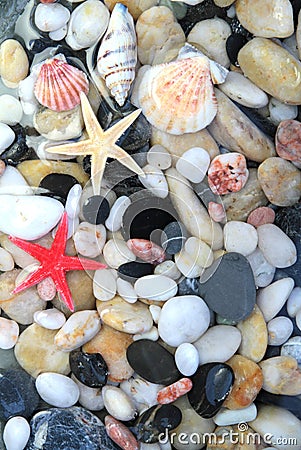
243 91
9 333
89 239
199 251
52 319
126 291
293 304
231 417
155 312
11 111
104 284
73 201
6 260
158 156
155 181
187 359
116 252
57 390
118 403
271 298
240 237
219 343
12 182
279 330
155 287
89 398
169 269
51 17
151 334
188 265
16 433
7 137
194 164
262 270
113 222
278 249
183 319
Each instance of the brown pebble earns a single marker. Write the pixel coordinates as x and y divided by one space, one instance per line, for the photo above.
228 173
261 216
288 140
120 434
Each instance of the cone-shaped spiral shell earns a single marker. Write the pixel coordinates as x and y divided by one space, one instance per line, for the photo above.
59 85
178 97
117 55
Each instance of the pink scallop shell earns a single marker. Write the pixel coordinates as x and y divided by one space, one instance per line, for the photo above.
59 85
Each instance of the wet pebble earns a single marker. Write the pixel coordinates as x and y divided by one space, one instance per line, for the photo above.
261 216
193 164
96 210
146 250
293 304
7 262
13 62
58 126
279 330
262 270
46 289
240 237
133 270
227 173
271 298
89 398
89 239
231 417
187 359
173 237
52 319
170 393
288 140
89 369
155 181
168 269
218 344
16 433
254 336
283 254
126 290
7 137
280 111
281 375
57 390
11 110
120 434
114 220
9 333
51 17
142 392
116 253
117 403
155 287
72 201
292 348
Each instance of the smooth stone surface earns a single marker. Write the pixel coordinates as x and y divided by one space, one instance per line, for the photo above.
173 237
89 368
7 137
104 284
52 319
293 304
272 298
58 185
288 402
218 344
154 180
281 375
80 426
280 111
118 403
212 383
13 62
51 17
183 319
112 345
199 251
9 333
158 156
59 126
231 417
263 271
114 220
279 330
116 253
248 382
156 287
89 398
228 287
169 269
57 390
282 255
254 336
260 60
12 182
16 433
240 237
261 216
194 164
96 210
142 392
133 270
292 348
152 362
280 181
36 352
187 359
126 291
288 140
123 316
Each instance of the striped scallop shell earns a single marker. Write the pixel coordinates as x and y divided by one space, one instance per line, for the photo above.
178 97
117 55
59 85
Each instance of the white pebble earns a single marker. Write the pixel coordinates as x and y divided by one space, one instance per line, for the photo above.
298 319
262 270
271 298
72 226
25 272
7 136
158 156
240 237
187 265
116 252
6 260
9 333
183 319
155 312
89 239
142 393
126 291
240 89
51 17
193 164
155 287
58 35
57 389
187 359
113 222
104 285
280 111
117 403
12 182
279 330
52 319
89 397
219 343
72 206
278 249
293 304
231 417
26 94
199 251
11 111
169 269
16 433
155 181
151 335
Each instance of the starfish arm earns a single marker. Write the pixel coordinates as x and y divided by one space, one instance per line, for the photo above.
59 242
92 125
74 263
98 162
31 280
125 159
74 148
34 250
62 287
118 128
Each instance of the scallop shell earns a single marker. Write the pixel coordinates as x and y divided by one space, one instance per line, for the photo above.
117 55
178 97
59 85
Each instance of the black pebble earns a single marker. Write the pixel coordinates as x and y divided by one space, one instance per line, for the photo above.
89 368
96 209
173 237
18 395
152 362
188 286
205 10
19 150
58 185
233 45
212 383
133 270
289 220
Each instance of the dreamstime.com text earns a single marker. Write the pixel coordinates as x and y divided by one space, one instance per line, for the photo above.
242 437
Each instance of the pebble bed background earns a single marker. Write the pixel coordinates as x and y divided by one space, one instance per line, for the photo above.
194 326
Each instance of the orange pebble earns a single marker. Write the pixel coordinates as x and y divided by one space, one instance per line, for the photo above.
170 393
261 216
120 434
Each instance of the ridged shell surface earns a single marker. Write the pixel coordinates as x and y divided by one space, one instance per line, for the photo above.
117 55
178 97
59 85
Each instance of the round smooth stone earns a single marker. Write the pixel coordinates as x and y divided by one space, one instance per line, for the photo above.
293 304
16 433
117 253
218 344
118 403
46 289
173 237
57 390
89 368
292 348
7 137
11 111
278 249
279 330
261 216
96 210
13 62
193 164
262 270
51 17
152 334
187 359
212 383
228 287
155 181
240 237
18 394
156 287
169 269
89 398
156 421
240 89
104 284
288 140
281 375
12 182
231 417
254 336
79 425
199 251
280 111
9 333
158 156
133 270
272 298
126 291
114 220
290 403
89 239
58 185
152 362
52 319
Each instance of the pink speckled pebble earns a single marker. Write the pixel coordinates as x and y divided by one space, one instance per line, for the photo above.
46 289
216 211
146 250
261 216
288 140
170 393
120 434
228 173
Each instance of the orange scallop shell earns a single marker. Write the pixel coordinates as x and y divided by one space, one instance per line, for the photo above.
59 85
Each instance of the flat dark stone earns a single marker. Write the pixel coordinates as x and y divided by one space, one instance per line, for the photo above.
96 210
212 383
188 286
173 237
228 287
289 220
68 429
58 185
133 270
289 402
152 362
233 45
89 368
18 394
19 150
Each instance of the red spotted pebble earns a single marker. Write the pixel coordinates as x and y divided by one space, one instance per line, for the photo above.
288 140
120 434
216 211
170 393
146 250
261 216
228 173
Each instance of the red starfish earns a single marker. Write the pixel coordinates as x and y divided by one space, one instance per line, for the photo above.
54 263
